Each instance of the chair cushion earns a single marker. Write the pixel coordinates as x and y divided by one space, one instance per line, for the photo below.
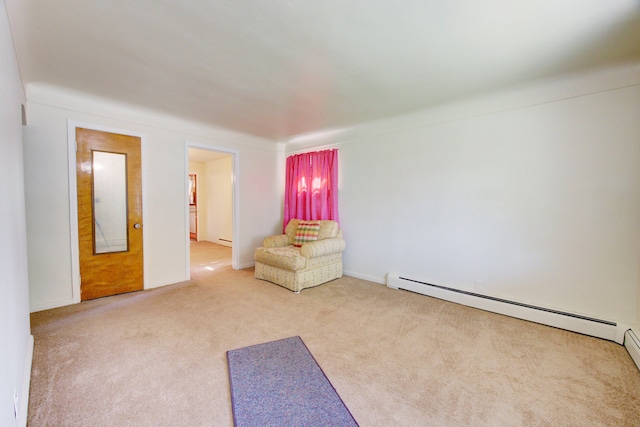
287 257
306 232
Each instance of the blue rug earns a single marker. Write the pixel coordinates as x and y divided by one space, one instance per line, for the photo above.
279 383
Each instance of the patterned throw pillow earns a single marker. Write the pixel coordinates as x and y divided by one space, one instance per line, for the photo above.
306 232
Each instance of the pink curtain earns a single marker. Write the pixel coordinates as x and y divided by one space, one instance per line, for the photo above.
311 188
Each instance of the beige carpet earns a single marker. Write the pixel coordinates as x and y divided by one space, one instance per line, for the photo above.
157 357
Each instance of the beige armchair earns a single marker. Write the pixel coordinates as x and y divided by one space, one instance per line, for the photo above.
297 268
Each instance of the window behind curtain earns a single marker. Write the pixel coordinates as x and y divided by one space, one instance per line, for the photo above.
311 187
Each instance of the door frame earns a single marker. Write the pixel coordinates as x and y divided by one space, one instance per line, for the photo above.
235 191
73 198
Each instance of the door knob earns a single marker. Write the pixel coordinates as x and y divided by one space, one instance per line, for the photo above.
136 225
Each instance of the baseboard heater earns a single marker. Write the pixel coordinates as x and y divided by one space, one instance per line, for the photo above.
225 242
632 344
570 321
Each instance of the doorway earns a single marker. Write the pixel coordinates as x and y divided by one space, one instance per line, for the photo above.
211 174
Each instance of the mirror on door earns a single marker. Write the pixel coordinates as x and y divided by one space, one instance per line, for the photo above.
109 202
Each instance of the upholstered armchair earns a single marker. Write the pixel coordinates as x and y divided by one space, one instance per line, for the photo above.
308 254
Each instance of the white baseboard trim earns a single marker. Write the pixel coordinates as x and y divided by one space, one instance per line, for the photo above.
225 242
52 304
26 385
171 281
244 265
368 278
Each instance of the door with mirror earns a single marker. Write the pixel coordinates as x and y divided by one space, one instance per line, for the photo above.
109 180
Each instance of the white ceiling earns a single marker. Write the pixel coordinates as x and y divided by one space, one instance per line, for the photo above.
280 68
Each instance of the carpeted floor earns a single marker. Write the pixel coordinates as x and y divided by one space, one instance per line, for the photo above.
157 357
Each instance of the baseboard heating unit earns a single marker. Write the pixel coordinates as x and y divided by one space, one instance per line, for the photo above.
632 344
570 321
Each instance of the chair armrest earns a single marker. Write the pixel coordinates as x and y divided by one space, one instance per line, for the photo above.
322 247
276 241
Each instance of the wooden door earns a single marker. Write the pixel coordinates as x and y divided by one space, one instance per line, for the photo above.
109 179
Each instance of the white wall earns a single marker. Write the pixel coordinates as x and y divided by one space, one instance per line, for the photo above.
164 192
531 195
15 339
